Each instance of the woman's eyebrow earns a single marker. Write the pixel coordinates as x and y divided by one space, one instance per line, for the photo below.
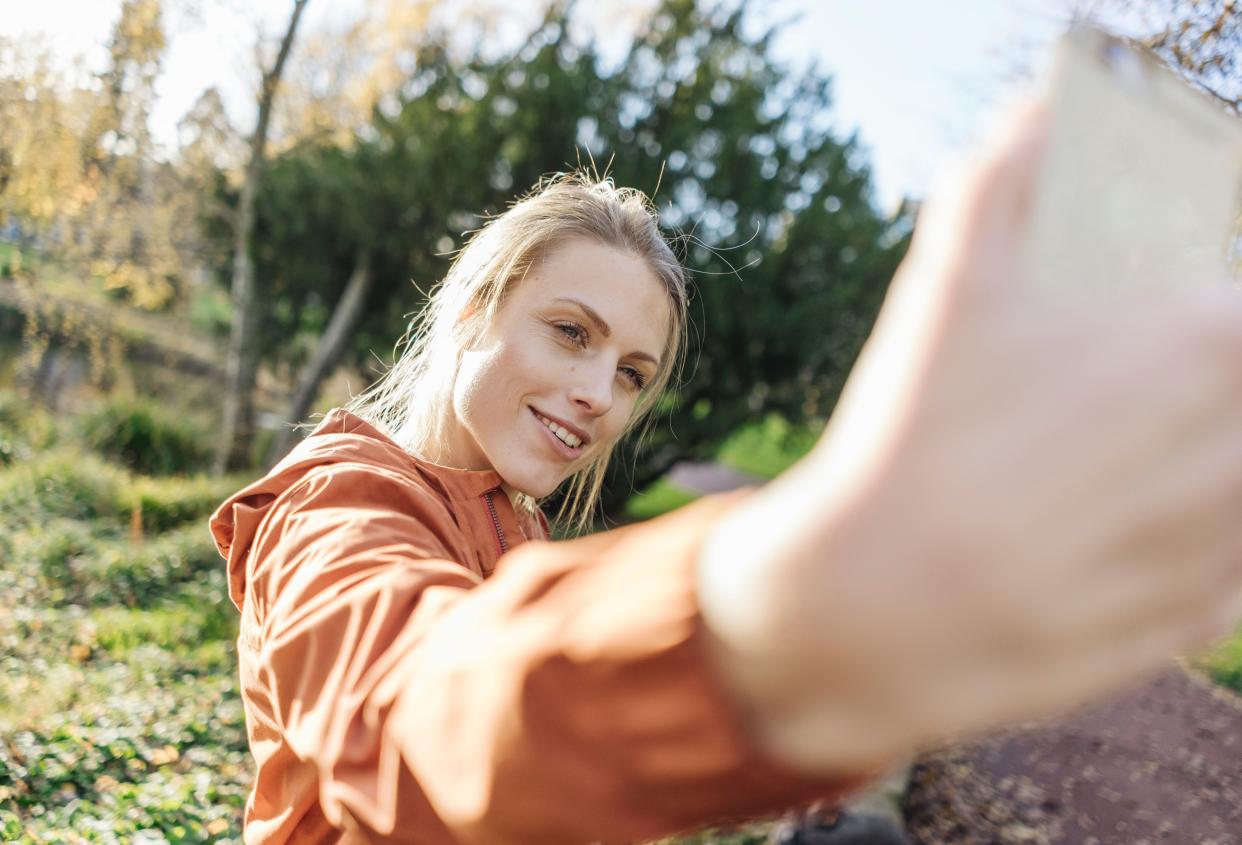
602 325
592 314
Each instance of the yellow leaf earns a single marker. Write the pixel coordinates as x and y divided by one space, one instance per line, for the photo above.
165 755
106 783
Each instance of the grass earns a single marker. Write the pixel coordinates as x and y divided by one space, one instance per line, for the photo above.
661 497
1223 663
767 448
764 449
119 700
118 694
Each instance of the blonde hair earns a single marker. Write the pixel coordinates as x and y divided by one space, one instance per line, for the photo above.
413 400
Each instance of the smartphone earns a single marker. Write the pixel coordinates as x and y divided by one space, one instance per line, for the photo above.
1141 184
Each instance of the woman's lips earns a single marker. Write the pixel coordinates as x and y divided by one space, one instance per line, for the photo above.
562 448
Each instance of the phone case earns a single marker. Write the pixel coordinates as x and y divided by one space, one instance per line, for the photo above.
1141 181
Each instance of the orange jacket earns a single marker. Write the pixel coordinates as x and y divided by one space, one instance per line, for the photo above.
414 671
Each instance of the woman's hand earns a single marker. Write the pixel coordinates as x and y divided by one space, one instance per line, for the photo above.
1021 504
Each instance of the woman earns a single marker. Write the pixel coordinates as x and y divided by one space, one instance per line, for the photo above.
414 670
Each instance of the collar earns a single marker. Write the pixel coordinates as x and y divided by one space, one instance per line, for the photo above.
458 483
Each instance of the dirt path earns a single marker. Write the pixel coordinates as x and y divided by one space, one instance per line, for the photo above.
1162 764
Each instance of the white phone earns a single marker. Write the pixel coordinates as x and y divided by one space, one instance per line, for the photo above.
1142 179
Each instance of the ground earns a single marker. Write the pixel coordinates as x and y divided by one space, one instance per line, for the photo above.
1160 764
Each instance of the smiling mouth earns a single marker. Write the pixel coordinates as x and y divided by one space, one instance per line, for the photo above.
564 435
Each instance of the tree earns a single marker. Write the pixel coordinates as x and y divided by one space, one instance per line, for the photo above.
773 212
128 235
40 152
1203 40
237 428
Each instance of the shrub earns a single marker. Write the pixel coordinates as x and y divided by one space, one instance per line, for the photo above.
25 428
46 554
168 502
661 497
137 575
1224 662
63 483
145 436
767 448
177 627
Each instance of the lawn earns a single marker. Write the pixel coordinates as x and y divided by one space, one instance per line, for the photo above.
765 450
119 699
118 695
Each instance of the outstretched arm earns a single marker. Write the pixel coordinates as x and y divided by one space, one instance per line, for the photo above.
1021 505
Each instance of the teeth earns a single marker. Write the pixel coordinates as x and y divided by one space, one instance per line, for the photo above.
567 437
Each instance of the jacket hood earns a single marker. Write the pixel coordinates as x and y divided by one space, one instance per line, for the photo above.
342 437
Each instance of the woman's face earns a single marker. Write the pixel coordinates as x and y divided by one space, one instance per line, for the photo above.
555 377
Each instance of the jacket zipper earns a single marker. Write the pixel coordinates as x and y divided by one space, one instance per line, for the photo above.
501 545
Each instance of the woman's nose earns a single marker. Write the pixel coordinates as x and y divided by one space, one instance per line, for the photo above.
592 389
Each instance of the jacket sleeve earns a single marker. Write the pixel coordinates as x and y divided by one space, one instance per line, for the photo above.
569 698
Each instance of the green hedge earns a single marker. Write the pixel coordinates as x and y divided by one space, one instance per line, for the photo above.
146 437
63 483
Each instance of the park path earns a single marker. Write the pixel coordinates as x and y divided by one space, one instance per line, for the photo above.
1158 764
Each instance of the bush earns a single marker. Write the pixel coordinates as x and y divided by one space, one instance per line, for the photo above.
62 563
168 502
145 437
138 575
25 428
661 497
210 311
65 483
767 448
47 554
183 626
1224 662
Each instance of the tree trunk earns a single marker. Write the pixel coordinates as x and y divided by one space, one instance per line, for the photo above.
327 352
237 428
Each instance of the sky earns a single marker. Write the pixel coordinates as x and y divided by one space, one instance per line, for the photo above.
916 80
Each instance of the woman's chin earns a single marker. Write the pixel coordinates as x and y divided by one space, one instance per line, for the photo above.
537 487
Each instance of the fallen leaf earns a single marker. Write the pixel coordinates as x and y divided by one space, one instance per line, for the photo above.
163 756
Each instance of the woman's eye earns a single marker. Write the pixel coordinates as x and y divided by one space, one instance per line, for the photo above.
636 378
575 333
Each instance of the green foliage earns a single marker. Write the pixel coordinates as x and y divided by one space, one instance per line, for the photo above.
122 572
1224 663
66 562
178 628
24 428
118 692
750 176
145 436
10 256
661 497
209 312
767 448
172 501
142 749
63 483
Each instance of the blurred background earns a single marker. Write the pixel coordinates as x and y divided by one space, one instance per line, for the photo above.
217 218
